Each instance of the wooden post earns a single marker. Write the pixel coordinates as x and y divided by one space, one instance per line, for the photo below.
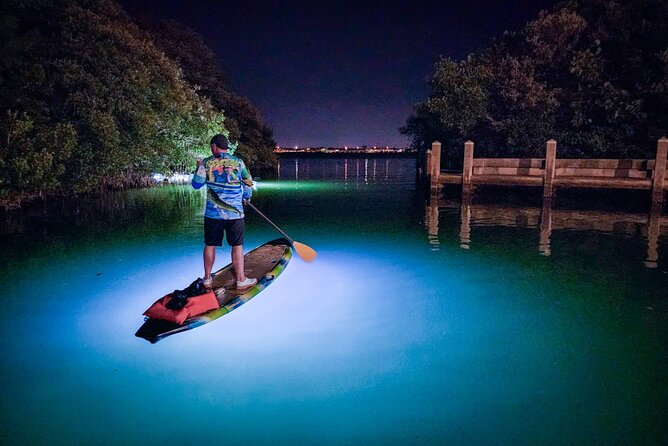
435 163
427 166
550 158
659 174
467 173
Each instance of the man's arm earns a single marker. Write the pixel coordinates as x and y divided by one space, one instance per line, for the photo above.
199 176
247 181
245 174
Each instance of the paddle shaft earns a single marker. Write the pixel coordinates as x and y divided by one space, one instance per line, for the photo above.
248 203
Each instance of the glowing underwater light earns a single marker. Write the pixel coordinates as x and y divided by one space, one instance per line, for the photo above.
297 185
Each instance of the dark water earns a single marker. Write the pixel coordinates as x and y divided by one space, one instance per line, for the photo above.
487 323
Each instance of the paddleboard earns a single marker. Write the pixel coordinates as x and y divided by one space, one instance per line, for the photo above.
264 263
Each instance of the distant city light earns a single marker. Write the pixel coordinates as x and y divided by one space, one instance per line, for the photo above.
345 149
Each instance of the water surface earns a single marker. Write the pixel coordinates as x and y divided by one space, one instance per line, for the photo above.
438 324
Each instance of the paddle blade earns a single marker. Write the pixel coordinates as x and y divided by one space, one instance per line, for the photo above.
307 253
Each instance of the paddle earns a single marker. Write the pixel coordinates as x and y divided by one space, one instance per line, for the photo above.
306 253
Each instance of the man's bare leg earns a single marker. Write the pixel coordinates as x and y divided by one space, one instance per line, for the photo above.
209 259
238 262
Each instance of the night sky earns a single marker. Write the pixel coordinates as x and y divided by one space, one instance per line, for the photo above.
340 73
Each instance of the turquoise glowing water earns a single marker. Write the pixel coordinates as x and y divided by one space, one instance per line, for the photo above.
392 336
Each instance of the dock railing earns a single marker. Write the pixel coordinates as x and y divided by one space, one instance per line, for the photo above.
552 172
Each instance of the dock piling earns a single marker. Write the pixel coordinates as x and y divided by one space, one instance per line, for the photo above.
434 164
659 174
467 173
550 163
427 166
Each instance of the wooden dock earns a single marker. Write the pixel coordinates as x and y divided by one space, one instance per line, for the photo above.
552 172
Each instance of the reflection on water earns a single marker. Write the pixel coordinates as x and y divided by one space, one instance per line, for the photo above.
649 226
356 170
545 228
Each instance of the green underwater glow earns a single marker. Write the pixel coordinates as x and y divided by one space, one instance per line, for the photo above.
288 185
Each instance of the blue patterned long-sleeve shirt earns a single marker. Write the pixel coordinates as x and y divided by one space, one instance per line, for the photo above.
228 183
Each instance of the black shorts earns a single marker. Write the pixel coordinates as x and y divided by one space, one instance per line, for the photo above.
214 230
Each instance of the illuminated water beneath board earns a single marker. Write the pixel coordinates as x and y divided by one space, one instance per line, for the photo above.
392 336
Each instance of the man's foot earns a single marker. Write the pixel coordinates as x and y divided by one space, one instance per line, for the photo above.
246 283
208 283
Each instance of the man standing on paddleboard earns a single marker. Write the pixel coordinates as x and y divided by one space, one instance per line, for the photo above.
228 184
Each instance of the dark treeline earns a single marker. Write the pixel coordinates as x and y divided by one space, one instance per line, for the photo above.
592 74
91 99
